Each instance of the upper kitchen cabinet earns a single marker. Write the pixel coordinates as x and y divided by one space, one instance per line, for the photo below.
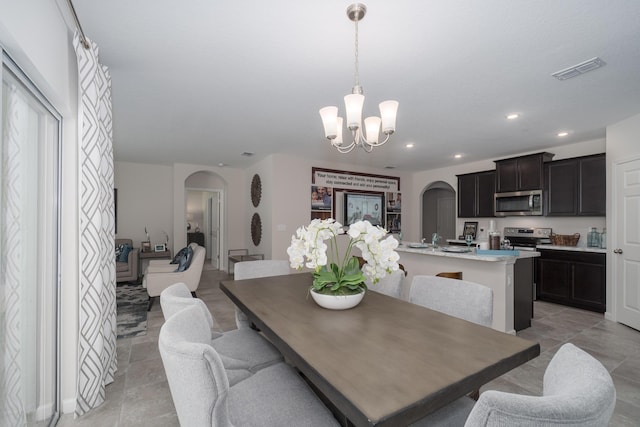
475 194
521 173
576 186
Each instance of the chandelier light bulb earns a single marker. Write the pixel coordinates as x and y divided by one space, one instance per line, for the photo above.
354 103
372 124
330 121
388 112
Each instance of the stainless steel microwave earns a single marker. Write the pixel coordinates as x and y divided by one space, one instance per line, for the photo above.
518 203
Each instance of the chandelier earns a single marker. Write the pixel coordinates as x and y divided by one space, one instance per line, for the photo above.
367 138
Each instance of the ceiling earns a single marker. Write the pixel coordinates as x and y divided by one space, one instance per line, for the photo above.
203 82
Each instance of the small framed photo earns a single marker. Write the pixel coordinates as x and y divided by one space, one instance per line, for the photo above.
158 248
145 246
470 227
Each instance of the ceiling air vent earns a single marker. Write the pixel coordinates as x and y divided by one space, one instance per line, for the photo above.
579 69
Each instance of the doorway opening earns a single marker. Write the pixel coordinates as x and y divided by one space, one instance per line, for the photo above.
204 217
439 211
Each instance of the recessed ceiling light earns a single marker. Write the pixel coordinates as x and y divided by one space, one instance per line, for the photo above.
222 165
247 154
512 116
389 167
563 133
457 156
410 145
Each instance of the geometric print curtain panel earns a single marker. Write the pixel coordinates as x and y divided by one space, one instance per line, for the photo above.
12 411
97 362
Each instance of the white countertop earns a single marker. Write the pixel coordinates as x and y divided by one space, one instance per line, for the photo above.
572 248
467 255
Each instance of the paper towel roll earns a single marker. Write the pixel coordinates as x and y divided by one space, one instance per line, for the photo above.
492 225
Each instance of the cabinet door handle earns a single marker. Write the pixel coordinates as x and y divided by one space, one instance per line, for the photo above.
617 251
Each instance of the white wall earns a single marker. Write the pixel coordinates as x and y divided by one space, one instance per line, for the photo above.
145 199
35 35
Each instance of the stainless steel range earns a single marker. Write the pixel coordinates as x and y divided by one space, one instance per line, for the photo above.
527 238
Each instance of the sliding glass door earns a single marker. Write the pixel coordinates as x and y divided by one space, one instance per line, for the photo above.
29 253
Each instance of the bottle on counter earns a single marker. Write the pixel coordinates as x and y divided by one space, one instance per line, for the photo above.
593 238
603 238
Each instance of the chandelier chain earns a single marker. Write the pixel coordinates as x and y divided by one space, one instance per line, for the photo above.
357 75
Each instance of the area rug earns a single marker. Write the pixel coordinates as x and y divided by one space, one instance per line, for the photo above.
132 302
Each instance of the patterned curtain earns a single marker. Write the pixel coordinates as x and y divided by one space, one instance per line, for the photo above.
12 412
97 303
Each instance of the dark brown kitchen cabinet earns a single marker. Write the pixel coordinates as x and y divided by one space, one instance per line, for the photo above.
576 186
475 194
572 278
592 186
521 173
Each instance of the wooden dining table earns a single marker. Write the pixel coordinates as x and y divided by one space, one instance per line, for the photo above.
383 362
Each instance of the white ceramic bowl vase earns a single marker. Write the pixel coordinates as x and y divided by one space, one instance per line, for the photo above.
337 302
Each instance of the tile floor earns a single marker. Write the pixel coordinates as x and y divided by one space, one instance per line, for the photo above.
140 394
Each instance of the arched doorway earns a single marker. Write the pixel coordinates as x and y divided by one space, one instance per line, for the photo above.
439 211
204 214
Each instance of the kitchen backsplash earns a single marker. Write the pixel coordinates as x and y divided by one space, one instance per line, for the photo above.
559 225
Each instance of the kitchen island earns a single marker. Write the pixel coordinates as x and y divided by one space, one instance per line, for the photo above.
510 278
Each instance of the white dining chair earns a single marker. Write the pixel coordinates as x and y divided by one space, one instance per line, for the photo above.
244 352
577 391
275 396
459 298
252 270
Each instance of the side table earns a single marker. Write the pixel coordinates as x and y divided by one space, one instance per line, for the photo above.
239 255
144 258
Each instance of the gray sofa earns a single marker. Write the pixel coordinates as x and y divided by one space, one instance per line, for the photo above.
127 271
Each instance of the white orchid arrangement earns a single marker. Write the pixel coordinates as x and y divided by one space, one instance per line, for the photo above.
342 275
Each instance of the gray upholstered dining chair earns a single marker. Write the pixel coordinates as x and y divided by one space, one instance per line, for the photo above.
252 270
390 285
577 391
243 352
459 298
202 395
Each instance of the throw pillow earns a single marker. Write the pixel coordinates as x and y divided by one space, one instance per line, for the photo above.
124 254
185 261
176 259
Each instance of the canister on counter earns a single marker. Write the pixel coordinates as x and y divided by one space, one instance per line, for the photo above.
593 238
494 240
